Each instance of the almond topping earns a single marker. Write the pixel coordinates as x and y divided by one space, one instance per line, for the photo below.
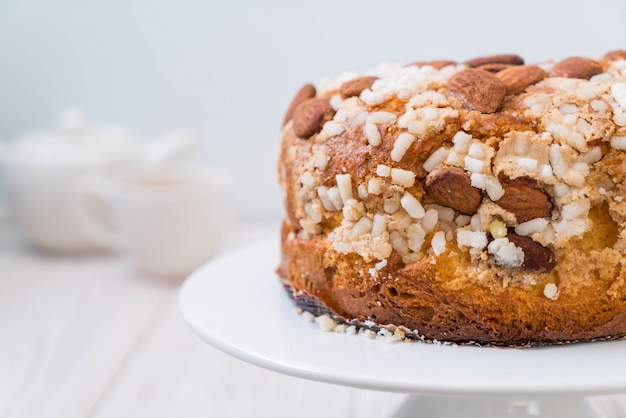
616 55
524 199
306 92
438 65
536 257
355 87
577 67
510 59
452 187
309 117
478 90
517 78
494 67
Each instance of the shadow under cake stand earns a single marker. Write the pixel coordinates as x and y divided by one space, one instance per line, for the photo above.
443 380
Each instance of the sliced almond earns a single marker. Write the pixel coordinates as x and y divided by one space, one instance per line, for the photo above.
517 78
536 257
477 90
524 199
577 67
511 59
355 87
310 116
452 187
306 92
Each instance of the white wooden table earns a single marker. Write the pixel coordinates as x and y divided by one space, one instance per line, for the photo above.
90 337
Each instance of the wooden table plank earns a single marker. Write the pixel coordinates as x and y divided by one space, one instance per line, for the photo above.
175 374
67 324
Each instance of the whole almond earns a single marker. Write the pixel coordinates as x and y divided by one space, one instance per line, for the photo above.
452 187
517 78
495 67
355 87
438 64
577 67
511 59
306 92
536 257
617 55
524 199
477 90
310 116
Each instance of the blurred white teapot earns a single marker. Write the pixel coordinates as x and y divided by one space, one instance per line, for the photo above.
41 170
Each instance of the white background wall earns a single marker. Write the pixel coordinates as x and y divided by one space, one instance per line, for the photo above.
228 69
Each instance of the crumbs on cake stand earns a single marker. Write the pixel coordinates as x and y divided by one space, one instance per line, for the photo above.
389 334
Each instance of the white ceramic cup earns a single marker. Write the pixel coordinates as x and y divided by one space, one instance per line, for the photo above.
168 220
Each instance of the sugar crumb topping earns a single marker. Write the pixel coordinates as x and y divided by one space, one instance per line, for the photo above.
578 123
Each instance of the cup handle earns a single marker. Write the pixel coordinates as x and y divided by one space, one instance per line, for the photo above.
101 190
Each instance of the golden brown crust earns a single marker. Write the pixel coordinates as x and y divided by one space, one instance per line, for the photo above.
363 240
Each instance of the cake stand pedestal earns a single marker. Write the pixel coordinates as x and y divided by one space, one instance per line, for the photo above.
496 407
236 304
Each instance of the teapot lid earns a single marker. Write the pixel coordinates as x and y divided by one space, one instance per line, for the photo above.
75 140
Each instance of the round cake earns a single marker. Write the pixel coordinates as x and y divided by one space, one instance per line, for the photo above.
479 202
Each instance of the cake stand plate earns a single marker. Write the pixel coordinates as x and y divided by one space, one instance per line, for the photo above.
237 304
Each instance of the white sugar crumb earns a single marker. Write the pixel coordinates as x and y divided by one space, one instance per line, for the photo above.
430 219
351 330
381 264
307 179
374 186
388 334
551 291
369 333
402 177
415 237
340 328
412 206
383 170
332 128
435 159
528 163
488 183
344 183
593 155
473 165
320 160
401 145
576 209
379 225
372 134
362 191
461 141
334 197
388 337
506 253
325 323
362 226
372 98
618 90
381 118
618 142
531 227
438 243
476 150
307 316
473 239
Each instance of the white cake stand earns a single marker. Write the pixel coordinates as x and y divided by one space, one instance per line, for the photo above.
237 304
